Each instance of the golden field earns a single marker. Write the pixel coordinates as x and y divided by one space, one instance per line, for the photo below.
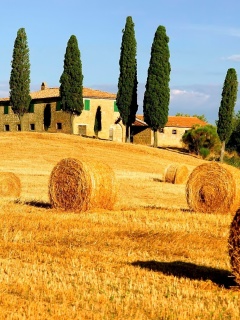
148 258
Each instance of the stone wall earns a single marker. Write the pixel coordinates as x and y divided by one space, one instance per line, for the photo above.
142 135
44 115
171 137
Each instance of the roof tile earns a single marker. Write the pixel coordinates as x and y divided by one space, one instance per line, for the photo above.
174 121
54 92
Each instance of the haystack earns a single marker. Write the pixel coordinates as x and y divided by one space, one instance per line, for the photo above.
212 188
176 174
82 185
234 246
10 185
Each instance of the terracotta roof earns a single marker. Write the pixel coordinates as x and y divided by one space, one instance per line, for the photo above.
184 122
54 92
139 122
174 121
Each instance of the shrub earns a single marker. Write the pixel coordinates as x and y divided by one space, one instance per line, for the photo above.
204 152
202 138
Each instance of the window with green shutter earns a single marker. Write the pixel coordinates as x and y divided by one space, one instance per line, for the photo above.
58 106
115 107
6 110
87 105
31 108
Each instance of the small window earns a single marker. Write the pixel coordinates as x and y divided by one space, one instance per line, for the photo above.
18 127
6 110
174 131
115 107
31 108
87 105
82 129
32 126
6 127
161 130
59 125
58 106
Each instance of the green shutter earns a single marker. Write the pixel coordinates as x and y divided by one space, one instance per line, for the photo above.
115 107
87 105
31 108
58 106
5 110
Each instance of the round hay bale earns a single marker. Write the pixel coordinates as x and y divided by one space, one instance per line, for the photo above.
234 246
170 173
212 188
10 185
176 174
181 175
80 186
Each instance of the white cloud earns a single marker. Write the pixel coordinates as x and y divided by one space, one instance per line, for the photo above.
234 57
195 97
215 29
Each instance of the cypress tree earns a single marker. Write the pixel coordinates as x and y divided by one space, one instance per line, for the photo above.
226 109
157 91
19 83
71 88
127 82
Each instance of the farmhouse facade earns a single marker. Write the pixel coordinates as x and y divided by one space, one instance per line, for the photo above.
169 136
45 115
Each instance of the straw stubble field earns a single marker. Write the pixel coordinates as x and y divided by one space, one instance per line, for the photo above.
148 258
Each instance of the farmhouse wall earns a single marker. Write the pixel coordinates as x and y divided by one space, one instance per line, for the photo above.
142 135
171 137
88 117
45 114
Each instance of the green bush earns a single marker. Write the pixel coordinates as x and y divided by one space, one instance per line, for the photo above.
201 138
204 152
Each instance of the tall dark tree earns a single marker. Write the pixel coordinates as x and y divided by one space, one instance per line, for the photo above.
19 83
157 91
226 109
127 82
71 81
98 121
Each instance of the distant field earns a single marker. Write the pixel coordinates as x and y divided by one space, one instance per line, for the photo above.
149 258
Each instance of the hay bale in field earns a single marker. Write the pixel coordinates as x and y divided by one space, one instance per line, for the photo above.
176 174
10 185
234 246
212 188
80 186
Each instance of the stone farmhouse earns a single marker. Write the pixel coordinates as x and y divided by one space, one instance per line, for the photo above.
45 114
169 136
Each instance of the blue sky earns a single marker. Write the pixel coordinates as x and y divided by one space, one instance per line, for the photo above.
204 44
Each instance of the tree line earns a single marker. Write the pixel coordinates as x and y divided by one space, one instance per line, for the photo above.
157 93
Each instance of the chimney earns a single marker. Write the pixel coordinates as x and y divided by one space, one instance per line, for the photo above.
43 86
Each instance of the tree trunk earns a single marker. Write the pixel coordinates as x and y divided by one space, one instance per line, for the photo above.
222 151
155 139
127 138
21 122
71 122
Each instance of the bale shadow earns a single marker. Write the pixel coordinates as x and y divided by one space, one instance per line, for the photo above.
38 204
158 180
220 277
167 208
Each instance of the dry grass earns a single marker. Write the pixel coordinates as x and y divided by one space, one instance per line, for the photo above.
149 258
